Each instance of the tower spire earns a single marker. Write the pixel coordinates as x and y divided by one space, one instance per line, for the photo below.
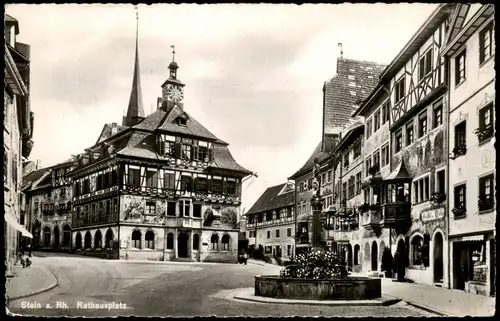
135 105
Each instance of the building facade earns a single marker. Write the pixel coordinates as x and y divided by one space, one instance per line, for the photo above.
17 130
271 221
470 48
160 187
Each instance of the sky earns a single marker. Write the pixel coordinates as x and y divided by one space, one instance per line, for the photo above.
253 72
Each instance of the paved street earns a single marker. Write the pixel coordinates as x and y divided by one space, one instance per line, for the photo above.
165 289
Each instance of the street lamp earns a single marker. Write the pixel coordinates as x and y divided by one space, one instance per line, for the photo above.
476 256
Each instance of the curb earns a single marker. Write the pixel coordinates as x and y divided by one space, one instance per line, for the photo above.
427 309
45 289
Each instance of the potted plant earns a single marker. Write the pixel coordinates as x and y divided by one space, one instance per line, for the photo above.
387 262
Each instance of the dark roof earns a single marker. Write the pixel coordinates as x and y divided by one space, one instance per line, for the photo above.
32 177
106 131
354 81
135 105
317 153
224 160
271 199
353 131
400 173
192 127
138 145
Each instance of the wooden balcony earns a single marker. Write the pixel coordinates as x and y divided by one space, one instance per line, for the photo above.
396 215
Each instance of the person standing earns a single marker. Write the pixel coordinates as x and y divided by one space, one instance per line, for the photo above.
29 249
245 257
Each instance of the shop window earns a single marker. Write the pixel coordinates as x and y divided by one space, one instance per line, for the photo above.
214 240
225 242
417 244
136 239
150 240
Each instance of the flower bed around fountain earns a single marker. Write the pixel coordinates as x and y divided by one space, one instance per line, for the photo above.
317 275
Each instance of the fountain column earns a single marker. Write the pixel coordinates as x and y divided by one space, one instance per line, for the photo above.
317 206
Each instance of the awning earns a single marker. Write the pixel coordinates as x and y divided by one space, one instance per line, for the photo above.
400 173
12 222
473 238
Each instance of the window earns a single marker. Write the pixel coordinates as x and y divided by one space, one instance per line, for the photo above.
421 187
301 187
376 121
277 233
62 192
400 90
196 242
186 151
269 216
230 187
460 200
376 159
201 151
399 141
150 208
289 212
368 165
397 192
422 124
385 155
485 43
152 178
136 239
184 208
214 240
357 152
368 128
289 232
460 68
169 181
323 179
268 234
358 183
201 184
196 210
346 160
186 183
485 130
344 191
329 176
385 113
225 242
150 240
441 183
309 183
171 208
460 139
216 185
438 114
425 65
416 249
166 145
409 134
486 200
351 187
134 177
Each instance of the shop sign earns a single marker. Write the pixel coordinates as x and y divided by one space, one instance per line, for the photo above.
432 215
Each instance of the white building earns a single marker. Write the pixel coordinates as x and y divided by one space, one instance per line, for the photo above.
470 48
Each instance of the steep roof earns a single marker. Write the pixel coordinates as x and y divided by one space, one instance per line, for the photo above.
107 131
33 177
272 199
224 160
317 153
354 81
192 126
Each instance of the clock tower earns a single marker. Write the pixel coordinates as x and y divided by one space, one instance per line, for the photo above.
172 88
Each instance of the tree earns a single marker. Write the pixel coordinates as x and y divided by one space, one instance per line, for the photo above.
387 262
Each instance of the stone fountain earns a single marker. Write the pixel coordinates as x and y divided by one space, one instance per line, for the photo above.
319 274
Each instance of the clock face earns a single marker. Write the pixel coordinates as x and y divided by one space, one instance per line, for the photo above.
175 94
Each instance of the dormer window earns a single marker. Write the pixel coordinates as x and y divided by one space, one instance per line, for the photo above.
182 122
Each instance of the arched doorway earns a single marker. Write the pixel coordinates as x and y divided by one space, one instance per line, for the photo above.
56 237
66 235
35 230
374 256
438 258
46 236
182 244
78 241
109 238
97 240
88 241
349 256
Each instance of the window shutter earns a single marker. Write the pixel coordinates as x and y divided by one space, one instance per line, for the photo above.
195 152
210 154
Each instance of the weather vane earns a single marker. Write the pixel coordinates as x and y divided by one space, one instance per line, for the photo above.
341 52
173 52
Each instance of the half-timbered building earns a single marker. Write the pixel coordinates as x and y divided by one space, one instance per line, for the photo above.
414 193
470 48
160 187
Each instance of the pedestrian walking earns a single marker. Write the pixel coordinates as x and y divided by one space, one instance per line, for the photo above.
29 249
245 257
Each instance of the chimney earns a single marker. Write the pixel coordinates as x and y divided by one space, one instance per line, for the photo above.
38 164
114 128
